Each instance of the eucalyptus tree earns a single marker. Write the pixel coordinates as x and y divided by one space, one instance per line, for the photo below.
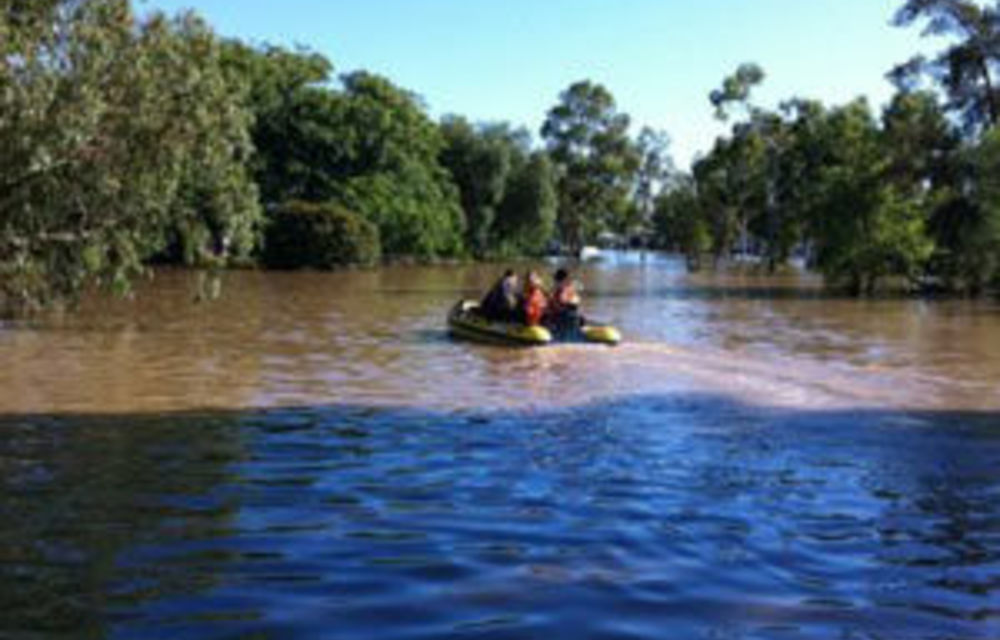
865 227
654 175
734 94
982 245
733 177
526 217
587 139
679 223
965 222
969 66
118 136
804 153
479 160
920 140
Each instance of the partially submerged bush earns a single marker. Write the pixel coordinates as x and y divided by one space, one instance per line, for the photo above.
319 236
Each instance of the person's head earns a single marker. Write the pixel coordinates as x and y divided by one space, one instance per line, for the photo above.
561 275
532 280
509 273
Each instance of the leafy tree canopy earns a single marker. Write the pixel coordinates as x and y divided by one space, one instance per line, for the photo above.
587 138
119 136
967 69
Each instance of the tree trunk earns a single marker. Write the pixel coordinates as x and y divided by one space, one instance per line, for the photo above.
991 98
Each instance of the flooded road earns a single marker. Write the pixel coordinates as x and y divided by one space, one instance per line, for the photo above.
310 456
378 337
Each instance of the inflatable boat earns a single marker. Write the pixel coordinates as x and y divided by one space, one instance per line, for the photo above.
465 321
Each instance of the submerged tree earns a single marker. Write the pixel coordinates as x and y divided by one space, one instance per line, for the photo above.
588 142
118 136
526 217
733 177
679 223
369 147
865 227
394 177
653 176
479 160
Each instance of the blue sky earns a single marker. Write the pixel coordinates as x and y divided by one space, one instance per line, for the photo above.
510 59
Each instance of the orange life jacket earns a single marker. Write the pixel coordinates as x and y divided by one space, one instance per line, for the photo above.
534 306
564 297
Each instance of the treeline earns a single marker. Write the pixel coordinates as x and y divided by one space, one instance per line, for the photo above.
129 140
908 197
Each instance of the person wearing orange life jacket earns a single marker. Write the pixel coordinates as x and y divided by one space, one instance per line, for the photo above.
535 301
564 305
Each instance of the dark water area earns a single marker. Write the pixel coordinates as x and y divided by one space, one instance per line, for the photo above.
311 457
684 516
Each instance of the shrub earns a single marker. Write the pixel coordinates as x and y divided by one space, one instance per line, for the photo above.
320 236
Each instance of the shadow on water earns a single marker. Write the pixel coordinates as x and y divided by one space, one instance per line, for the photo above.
658 516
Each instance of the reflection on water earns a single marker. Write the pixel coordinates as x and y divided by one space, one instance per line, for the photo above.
658 516
312 457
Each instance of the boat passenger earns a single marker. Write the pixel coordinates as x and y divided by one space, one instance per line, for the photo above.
564 304
501 302
535 301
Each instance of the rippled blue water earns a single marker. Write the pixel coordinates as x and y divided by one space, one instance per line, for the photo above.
661 516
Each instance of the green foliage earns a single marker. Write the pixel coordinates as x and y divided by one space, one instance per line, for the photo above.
507 192
736 90
966 223
369 146
881 235
587 139
919 139
479 162
864 228
927 162
858 195
744 186
417 214
655 171
986 160
526 218
966 68
393 176
732 183
320 236
128 140
117 136
680 224
296 121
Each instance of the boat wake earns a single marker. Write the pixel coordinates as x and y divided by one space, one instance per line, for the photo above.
639 368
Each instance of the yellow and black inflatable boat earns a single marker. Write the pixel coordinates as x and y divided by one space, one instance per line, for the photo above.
465 321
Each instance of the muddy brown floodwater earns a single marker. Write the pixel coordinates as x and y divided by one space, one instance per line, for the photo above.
311 456
274 339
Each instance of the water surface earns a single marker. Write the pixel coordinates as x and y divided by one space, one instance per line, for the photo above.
311 457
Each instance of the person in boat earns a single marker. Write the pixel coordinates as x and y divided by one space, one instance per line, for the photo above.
501 302
535 301
564 304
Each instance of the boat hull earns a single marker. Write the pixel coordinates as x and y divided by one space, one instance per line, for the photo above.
465 322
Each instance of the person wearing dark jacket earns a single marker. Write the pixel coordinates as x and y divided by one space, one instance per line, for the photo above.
501 301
